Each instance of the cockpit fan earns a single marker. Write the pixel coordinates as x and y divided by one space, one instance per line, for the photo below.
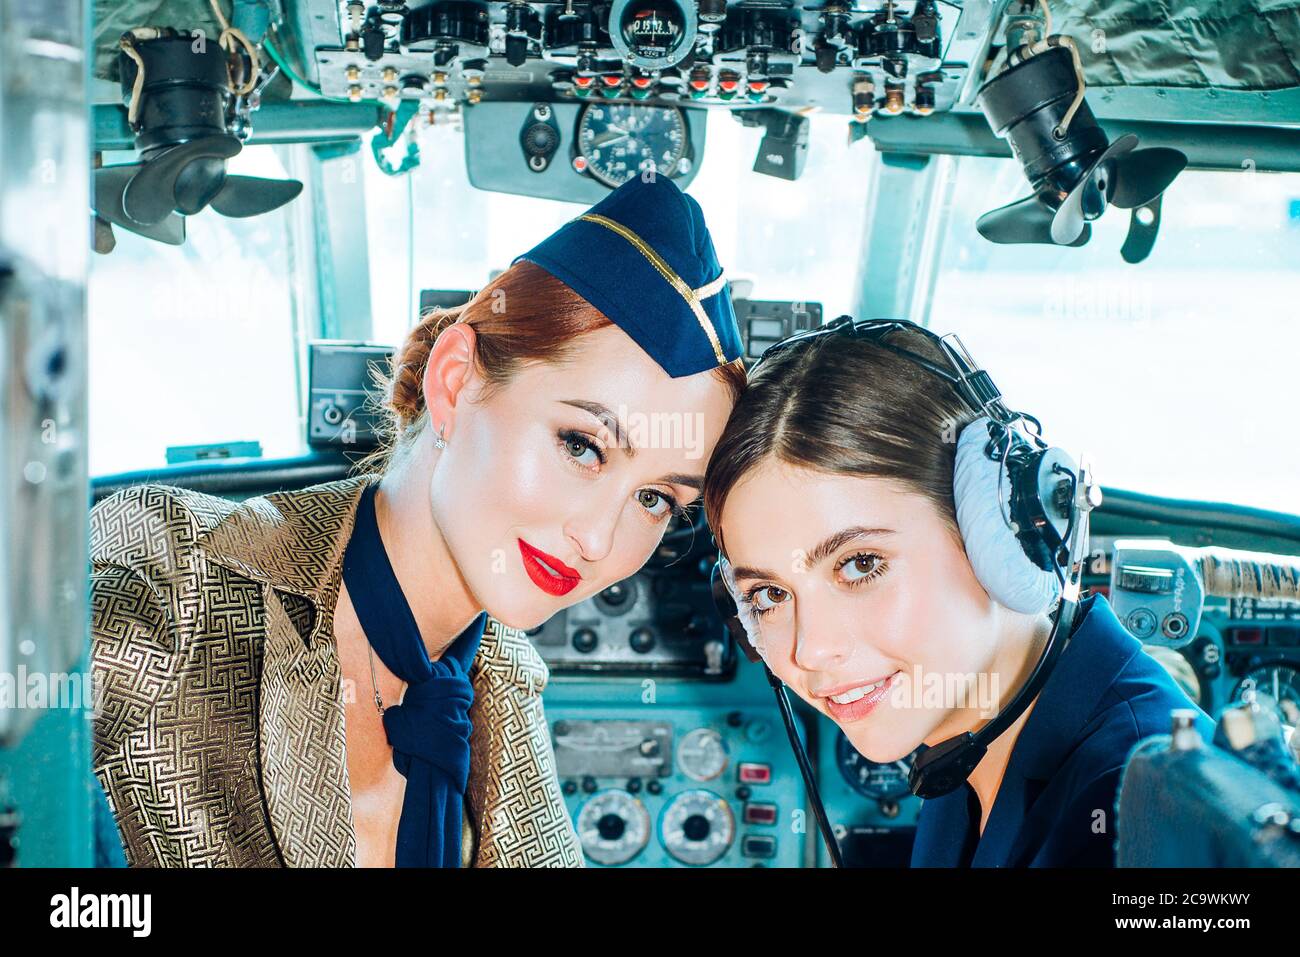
1037 104
176 88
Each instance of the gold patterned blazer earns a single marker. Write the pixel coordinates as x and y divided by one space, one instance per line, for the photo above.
219 734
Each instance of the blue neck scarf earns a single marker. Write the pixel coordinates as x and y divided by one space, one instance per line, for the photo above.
430 730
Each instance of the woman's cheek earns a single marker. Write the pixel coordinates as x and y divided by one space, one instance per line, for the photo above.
529 483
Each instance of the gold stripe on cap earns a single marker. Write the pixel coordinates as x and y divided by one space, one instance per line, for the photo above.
712 288
676 281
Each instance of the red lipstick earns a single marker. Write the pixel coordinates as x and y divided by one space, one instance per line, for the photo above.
547 572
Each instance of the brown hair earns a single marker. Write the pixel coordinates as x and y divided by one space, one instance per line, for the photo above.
544 318
846 406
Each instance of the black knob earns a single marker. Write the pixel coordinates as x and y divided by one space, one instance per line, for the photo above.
588 783
633 785
372 43
616 595
611 827
642 640
541 139
516 50
825 57
584 640
742 793
569 787
696 827
654 787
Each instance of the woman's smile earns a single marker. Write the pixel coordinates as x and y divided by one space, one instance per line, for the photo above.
857 701
547 572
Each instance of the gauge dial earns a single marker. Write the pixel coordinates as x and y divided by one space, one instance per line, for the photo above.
1277 684
702 755
882 782
620 140
697 827
613 827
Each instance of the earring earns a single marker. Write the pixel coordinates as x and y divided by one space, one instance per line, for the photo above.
438 441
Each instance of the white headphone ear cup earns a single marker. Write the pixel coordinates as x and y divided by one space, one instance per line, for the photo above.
743 612
996 555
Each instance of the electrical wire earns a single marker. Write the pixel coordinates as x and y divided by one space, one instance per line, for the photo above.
229 36
1046 42
805 769
127 43
283 63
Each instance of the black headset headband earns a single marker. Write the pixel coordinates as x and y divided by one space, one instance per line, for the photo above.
969 381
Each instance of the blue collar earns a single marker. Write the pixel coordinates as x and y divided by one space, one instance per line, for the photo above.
1098 651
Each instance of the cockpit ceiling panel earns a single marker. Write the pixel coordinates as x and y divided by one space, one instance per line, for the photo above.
115 17
1227 44
1237 45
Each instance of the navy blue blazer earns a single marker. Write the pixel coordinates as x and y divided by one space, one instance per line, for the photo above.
1105 695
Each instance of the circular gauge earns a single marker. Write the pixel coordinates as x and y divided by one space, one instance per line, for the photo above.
1277 684
652 34
613 827
702 755
621 140
881 782
697 827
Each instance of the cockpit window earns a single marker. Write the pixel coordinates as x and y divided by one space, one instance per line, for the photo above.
196 344
1176 374
787 240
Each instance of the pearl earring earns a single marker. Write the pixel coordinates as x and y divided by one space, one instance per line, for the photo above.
438 441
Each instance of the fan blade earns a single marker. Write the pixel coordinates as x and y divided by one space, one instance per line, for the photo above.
252 196
1083 236
151 194
1141 236
1068 222
1024 221
1143 175
1087 201
110 185
198 184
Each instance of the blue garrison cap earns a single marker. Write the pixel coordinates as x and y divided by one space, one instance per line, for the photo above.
643 257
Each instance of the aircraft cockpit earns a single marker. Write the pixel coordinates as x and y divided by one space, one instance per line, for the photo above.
224 225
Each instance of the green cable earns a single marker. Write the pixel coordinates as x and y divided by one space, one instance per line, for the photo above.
283 64
405 111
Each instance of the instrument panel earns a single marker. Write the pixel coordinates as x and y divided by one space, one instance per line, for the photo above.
654 785
1239 644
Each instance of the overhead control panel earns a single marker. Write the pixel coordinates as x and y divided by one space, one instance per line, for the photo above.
884 57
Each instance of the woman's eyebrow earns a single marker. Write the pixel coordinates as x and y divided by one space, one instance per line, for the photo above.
610 421
819 552
607 419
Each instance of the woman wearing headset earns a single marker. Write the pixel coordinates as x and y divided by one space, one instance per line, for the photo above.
862 517
327 676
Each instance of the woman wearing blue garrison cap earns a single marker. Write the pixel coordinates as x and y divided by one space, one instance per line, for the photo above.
338 676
